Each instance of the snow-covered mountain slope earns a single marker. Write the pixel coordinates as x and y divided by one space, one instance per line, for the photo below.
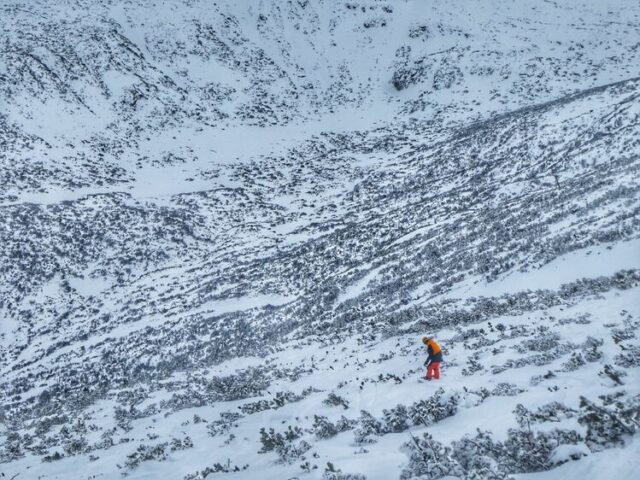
218 217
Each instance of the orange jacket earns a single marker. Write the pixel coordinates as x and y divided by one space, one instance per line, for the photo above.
435 353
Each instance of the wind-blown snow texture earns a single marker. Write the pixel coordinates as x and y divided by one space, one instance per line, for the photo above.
224 227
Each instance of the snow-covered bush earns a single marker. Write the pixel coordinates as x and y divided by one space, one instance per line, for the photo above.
145 453
279 400
284 444
543 342
526 451
506 390
12 448
255 407
551 412
75 445
331 473
607 425
323 428
630 358
368 428
523 451
472 367
271 440
343 424
222 426
590 349
181 444
567 453
43 425
477 456
428 458
438 407
216 468
613 374
334 400
575 362
292 451
472 398
53 457
395 419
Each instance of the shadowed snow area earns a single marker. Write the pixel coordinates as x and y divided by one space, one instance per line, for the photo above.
225 227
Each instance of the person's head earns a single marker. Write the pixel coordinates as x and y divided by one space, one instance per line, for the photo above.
426 339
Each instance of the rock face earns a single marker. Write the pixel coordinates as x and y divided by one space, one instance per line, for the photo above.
204 205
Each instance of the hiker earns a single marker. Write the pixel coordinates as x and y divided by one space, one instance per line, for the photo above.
435 357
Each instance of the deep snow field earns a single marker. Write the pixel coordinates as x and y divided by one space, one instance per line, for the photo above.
225 227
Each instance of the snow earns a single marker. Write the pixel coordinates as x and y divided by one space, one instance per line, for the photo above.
619 464
332 178
357 288
590 262
566 453
235 304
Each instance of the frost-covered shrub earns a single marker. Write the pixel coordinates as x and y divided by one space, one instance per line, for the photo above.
334 400
419 31
106 440
271 439
282 398
395 419
53 457
574 363
292 451
216 468
472 398
551 412
368 428
506 390
607 425
255 407
540 343
343 424
146 453
568 452
75 445
12 447
429 459
43 425
331 473
436 408
222 426
477 456
246 383
472 367
622 334
323 428
630 358
204 391
278 401
538 379
523 416
613 374
409 72
590 349
181 444
469 333
480 343
526 451
284 444
446 76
